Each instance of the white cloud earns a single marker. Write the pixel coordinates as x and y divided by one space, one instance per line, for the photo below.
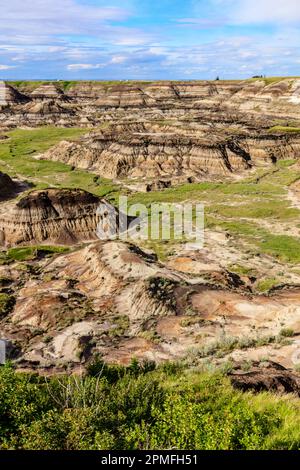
7 67
118 59
132 39
262 12
84 66
55 17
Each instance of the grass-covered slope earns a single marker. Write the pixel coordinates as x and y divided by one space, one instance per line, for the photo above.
17 158
256 210
141 408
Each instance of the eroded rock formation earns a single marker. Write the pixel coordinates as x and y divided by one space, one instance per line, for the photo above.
57 216
265 376
113 299
165 130
9 96
145 151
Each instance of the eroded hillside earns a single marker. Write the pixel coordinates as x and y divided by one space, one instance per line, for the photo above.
66 297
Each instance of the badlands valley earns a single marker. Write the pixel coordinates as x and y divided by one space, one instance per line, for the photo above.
66 297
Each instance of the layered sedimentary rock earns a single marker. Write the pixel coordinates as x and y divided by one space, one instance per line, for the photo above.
10 96
136 156
57 216
46 108
62 216
97 102
145 151
48 91
113 299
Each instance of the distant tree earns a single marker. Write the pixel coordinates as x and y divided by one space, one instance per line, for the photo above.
217 79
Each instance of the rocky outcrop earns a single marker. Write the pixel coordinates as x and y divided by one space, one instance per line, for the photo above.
81 297
57 216
114 299
48 91
10 96
138 156
111 298
265 376
46 108
145 151
63 216
98 102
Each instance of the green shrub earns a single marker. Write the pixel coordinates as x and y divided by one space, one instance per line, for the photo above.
141 408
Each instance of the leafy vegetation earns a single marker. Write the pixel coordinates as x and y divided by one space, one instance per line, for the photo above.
266 284
140 407
222 347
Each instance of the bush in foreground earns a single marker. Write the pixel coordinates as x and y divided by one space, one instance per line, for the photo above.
141 408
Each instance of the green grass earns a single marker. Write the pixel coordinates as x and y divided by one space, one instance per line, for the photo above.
286 163
272 185
242 270
17 159
27 253
266 284
284 247
27 86
266 209
237 207
284 129
142 407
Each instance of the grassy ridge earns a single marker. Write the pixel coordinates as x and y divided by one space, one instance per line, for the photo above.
29 86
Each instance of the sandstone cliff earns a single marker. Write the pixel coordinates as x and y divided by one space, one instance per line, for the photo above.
146 151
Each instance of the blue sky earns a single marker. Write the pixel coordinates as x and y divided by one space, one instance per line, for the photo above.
148 39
